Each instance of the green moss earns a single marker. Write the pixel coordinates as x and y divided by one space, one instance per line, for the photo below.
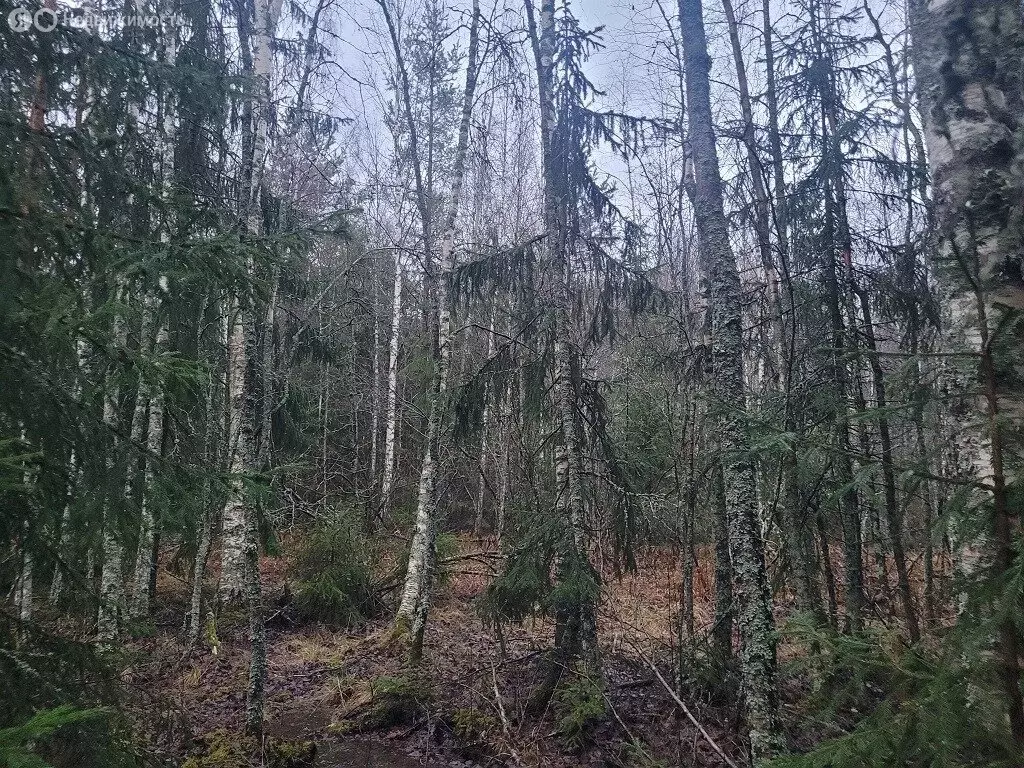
219 749
635 755
210 633
473 732
386 702
283 753
342 728
395 700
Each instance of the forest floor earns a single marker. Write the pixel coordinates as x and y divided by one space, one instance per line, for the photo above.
471 693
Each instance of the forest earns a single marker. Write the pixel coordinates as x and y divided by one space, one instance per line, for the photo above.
465 383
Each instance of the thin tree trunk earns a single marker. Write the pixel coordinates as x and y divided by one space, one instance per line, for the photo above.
391 428
374 405
239 433
214 439
264 457
830 575
416 594
23 587
798 532
144 560
108 620
481 494
894 518
265 23
74 477
24 590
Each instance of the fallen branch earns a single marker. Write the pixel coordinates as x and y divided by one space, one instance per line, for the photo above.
635 684
505 727
686 711
469 556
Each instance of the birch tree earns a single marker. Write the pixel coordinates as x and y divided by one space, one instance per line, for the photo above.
416 592
967 65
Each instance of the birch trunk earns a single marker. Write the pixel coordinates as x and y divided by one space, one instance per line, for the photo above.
967 61
23 586
145 562
265 23
264 453
232 564
750 579
481 493
213 459
111 576
374 402
259 66
390 430
416 593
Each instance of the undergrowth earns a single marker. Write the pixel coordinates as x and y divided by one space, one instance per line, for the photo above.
333 576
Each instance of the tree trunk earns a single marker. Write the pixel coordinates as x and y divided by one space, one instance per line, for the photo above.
214 439
575 617
893 515
144 559
481 493
108 620
750 579
390 430
416 594
721 631
240 461
967 61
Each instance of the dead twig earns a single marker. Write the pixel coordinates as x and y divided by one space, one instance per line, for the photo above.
686 711
505 727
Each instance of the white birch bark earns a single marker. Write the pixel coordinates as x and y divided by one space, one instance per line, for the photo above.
481 493
267 373
967 62
266 16
415 605
23 587
375 392
144 559
390 430
243 448
232 564
214 401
